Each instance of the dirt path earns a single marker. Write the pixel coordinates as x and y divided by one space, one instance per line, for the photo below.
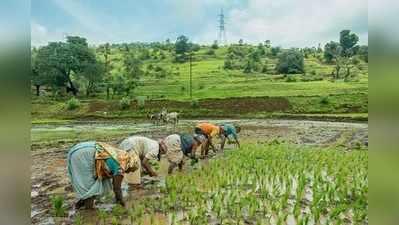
49 177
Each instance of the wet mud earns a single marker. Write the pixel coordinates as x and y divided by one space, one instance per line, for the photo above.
49 175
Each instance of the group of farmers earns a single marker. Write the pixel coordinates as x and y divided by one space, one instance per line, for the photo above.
96 168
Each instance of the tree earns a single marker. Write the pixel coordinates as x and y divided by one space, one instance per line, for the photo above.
215 45
133 69
342 53
241 42
268 44
105 50
364 53
59 60
275 51
229 62
37 79
93 73
348 42
182 47
261 49
290 62
331 51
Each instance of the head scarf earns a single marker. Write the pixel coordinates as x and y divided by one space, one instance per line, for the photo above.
126 160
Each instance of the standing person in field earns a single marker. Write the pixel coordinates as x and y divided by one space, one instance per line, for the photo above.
95 168
179 145
146 148
229 130
210 131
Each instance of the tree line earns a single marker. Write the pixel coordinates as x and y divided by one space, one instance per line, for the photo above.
72 65
344 54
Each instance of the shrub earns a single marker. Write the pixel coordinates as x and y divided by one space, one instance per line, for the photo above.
72 104
291 79
210 52
195 104
124 103
290 62
325 100
57 203
264 68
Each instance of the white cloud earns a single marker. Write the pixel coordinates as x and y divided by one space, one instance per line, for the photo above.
39 34
296 23
289 23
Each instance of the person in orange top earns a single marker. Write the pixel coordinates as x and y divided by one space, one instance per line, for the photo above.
210 131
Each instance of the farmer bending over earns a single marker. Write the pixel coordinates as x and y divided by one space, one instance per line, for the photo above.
146 148
95 168
209 131
229 130
179 145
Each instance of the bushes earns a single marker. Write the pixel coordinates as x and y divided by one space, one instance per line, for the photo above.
124 103
195 104
325 100
72 104
290 62
291 78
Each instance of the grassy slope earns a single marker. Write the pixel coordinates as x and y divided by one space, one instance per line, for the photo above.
211 81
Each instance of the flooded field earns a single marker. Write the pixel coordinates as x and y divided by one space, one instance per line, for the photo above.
50 144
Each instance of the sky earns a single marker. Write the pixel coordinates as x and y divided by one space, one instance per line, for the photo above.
287 23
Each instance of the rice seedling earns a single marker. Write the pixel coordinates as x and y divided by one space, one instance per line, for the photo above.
58 208
267 184
103 215
78 220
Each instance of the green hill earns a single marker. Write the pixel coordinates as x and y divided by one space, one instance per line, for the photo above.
217 91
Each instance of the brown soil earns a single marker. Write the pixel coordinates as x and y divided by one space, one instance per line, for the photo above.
236 105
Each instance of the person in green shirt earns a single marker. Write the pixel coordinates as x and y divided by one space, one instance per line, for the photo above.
229 130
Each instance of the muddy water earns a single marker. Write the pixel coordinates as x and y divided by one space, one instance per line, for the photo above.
48 171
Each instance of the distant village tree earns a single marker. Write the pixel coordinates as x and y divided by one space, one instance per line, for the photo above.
182 48
59 61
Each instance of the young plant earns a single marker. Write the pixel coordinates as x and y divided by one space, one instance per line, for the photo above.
58 208
103 215
78 220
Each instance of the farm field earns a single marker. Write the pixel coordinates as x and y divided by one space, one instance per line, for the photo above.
216 91
239 186
278 92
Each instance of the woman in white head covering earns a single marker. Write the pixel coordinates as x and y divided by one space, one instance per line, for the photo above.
146 148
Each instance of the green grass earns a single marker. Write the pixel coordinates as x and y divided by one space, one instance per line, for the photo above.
211 81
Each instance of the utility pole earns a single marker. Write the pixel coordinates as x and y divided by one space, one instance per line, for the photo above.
222 28
191 75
